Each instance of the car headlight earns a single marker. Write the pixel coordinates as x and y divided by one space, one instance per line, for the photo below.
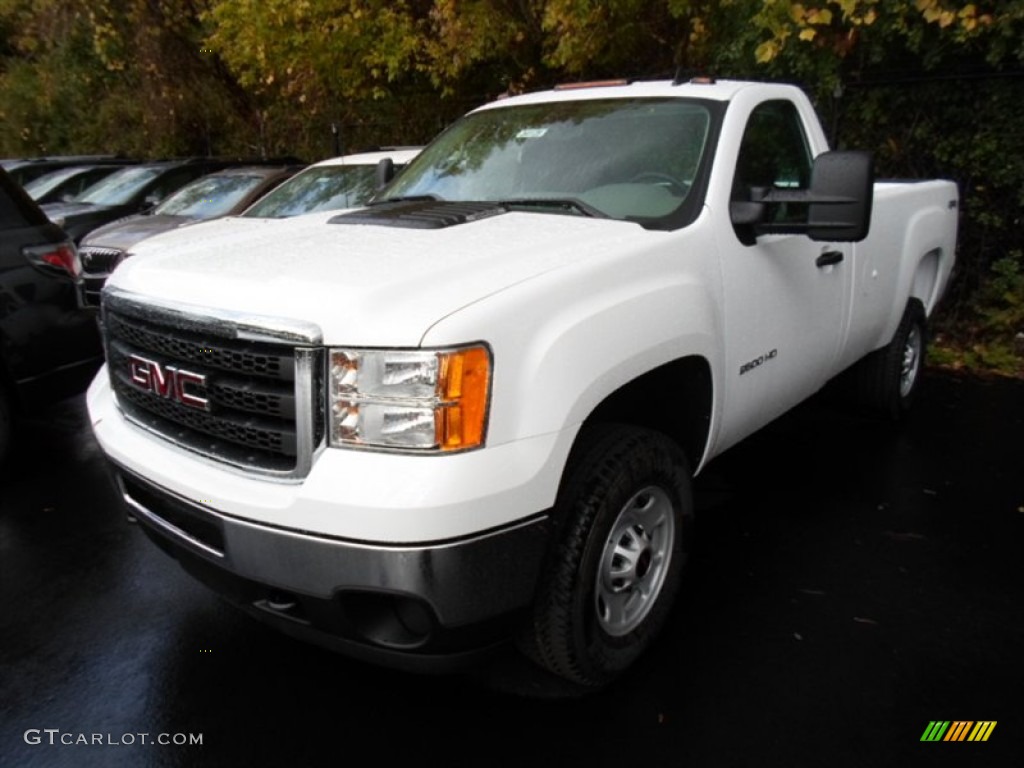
421 400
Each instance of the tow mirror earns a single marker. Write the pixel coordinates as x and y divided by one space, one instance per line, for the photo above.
844 183
838 203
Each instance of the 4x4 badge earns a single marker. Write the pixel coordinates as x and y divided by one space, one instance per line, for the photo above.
168 381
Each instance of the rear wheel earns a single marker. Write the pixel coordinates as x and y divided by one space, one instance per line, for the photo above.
887 380
626 511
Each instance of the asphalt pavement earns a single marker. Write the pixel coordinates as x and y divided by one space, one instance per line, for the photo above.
851 584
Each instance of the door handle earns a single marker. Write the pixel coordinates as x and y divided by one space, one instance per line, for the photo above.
828 258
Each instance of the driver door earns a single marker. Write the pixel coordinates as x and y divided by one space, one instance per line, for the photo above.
785 297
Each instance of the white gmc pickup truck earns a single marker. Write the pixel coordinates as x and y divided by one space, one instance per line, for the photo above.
471 410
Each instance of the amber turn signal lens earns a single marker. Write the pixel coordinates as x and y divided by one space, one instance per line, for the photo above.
464 389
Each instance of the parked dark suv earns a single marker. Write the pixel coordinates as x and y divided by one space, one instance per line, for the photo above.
49 347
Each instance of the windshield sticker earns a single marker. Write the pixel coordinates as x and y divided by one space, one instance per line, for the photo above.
531 133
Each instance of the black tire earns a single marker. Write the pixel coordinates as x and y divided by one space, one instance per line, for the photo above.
887 380
625 510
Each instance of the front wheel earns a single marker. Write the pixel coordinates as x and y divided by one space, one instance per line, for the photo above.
626 510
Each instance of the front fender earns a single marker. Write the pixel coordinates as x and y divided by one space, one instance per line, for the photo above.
566 340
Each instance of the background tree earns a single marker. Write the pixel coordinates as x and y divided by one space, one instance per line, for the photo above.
934 87
105 76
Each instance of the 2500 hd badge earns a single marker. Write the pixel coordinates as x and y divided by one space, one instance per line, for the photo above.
760 360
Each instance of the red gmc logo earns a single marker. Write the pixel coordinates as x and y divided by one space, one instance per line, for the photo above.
168 381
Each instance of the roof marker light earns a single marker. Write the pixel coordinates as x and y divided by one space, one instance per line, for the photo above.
591 84
685 76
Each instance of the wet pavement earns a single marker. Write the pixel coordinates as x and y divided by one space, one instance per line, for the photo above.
851 583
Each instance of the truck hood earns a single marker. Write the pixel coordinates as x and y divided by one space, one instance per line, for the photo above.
361 284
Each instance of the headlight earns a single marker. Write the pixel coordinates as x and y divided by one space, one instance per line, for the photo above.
424 400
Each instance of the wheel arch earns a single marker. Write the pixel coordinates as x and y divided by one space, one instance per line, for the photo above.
925 283
675 398
929 253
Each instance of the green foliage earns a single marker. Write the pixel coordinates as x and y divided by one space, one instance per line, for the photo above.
998 307
129 77
834 38
302 51
990 333
1001 301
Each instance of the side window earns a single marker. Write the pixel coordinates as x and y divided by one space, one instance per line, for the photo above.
773 153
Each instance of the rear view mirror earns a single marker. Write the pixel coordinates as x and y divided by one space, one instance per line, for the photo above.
385 172
838 202
846 176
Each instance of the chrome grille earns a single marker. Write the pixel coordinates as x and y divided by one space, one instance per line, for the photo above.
204 352
262 396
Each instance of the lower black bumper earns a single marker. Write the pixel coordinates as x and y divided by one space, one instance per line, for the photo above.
425 607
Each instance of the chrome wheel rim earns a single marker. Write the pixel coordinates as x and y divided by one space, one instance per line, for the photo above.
635 561
911 362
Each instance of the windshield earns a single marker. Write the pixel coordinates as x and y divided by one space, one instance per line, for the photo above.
50 181
118 188
322 188
623 158
209 197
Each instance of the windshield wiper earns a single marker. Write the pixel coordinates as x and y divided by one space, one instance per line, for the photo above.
564 203
560 204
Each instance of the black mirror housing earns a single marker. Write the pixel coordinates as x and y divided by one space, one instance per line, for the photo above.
385 172
837 176
838 202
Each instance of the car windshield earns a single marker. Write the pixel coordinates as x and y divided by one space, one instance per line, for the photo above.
120 187
621 158
209 197
40 185
321 188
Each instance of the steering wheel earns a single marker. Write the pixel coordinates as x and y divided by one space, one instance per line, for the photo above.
682 187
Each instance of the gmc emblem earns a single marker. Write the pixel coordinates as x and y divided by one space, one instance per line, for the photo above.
168 381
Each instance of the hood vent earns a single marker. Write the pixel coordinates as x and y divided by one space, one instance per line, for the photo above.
421 214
